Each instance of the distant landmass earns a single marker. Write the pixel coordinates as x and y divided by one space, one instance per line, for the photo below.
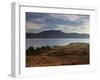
56 34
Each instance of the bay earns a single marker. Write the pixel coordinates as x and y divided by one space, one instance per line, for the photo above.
53 42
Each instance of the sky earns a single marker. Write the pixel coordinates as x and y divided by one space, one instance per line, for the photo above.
68 23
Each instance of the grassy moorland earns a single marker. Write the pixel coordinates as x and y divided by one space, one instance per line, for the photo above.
72 54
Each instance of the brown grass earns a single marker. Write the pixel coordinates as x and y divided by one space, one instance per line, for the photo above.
72 54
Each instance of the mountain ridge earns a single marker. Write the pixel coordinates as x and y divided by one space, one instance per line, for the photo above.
56 34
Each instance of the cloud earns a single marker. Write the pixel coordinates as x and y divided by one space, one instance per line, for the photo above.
54 19
37 22
70 17
30 26
71 29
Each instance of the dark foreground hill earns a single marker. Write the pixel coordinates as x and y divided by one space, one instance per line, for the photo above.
56 34
72 54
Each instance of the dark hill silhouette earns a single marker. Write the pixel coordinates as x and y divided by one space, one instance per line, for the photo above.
56 34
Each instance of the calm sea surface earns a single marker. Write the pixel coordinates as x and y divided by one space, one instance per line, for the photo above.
52 42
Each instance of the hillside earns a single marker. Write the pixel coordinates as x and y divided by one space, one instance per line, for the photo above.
72 54
55 34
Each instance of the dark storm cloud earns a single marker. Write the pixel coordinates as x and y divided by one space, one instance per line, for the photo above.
48 19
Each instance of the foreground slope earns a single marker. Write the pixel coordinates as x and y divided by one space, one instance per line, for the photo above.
72 54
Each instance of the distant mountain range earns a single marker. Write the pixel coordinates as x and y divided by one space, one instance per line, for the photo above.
56 34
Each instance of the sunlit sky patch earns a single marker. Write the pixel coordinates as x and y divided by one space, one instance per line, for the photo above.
68 23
